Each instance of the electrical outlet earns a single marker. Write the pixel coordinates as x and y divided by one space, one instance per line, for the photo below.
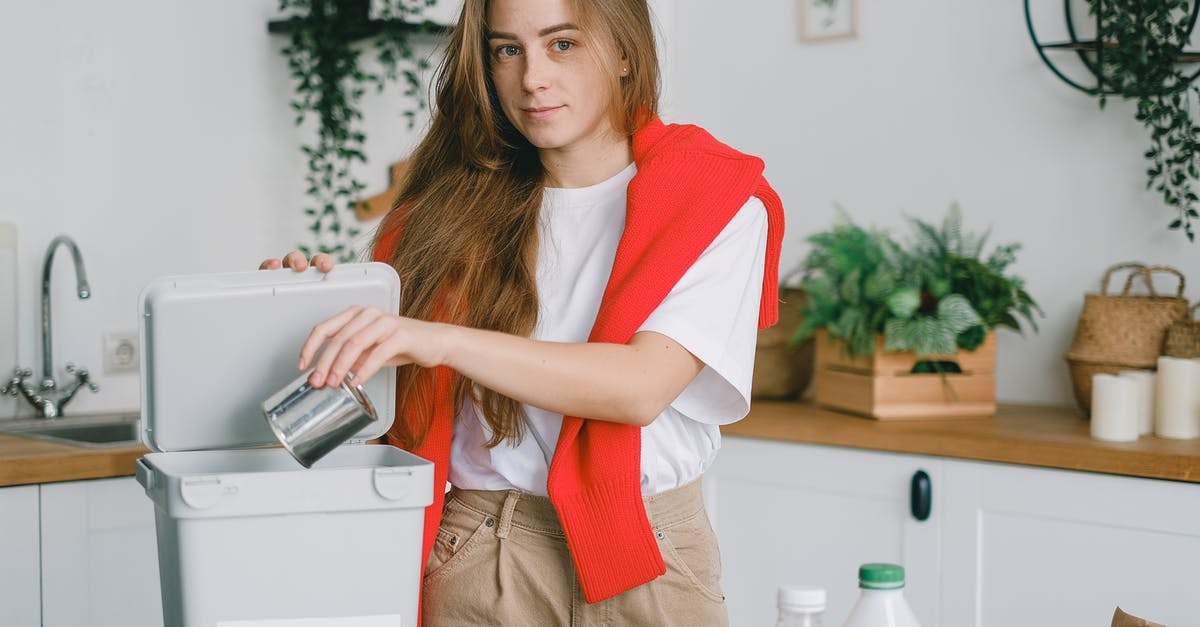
120 353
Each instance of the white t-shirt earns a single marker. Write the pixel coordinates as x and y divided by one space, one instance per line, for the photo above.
712 312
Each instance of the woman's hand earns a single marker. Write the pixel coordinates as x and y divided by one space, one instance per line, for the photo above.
297 261
364 339
626 383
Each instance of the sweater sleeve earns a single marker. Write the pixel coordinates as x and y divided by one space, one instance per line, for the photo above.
713 312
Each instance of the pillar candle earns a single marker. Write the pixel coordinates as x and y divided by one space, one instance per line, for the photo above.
1146 393
1177 406
1115 406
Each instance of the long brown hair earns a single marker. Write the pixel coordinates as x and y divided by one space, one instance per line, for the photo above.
468 209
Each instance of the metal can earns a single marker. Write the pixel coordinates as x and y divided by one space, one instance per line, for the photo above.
310 422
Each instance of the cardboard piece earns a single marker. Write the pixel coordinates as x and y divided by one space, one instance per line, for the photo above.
1121 619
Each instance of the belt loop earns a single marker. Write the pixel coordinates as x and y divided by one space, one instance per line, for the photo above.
506 515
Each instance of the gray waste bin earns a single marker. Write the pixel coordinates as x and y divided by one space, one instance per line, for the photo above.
247 537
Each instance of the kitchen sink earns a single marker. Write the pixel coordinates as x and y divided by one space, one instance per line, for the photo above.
87 431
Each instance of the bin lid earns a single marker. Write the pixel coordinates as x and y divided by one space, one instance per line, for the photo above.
215 346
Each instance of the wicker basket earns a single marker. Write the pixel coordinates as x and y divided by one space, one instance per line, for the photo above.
1124 331
1183 337
782 371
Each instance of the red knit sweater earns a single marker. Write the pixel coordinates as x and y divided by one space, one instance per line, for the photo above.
688 186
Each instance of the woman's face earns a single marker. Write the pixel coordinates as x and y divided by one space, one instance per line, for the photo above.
548 84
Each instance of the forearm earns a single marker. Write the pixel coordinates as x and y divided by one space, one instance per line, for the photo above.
614 382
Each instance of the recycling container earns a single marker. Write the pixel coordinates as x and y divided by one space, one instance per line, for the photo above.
248 537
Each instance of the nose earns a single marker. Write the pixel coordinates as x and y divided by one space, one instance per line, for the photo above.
537 72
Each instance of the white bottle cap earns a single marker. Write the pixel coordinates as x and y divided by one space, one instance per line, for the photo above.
801 597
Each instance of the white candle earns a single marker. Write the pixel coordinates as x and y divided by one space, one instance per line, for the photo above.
1114 408
1146 392
1177 406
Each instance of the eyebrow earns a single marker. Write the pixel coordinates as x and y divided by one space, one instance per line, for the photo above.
541 33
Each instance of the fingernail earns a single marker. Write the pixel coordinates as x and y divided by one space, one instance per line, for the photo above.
316 379
332 380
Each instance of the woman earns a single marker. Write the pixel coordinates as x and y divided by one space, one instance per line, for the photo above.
582 291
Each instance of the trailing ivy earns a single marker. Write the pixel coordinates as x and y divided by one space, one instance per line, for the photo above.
1142 40
324 59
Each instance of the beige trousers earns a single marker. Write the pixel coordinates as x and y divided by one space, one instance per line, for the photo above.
501 559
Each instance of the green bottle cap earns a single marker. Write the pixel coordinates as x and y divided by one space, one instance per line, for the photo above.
880 576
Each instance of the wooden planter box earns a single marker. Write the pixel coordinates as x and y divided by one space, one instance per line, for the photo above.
882 385
782 371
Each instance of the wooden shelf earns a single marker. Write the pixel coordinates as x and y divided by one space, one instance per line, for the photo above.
370 29
1034 435
1185 56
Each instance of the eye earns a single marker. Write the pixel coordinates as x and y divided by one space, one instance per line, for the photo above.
562 45
507 50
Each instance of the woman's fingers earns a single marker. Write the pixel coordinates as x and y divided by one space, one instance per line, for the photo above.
361 341
360 344
296 261
323 262
385 353
321 332
343 346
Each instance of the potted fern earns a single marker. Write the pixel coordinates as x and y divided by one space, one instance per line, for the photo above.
907 330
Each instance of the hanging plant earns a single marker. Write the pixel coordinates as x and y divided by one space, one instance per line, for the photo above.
1142 41
325 59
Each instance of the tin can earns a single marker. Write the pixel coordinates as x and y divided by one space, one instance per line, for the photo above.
310 422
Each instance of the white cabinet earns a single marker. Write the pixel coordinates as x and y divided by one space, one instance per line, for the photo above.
809 514
1005 545
1054 547
20 579
99 555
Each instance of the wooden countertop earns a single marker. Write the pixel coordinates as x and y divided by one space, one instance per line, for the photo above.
1051 436
25 460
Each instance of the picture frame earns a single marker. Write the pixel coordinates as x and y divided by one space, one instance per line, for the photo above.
827 20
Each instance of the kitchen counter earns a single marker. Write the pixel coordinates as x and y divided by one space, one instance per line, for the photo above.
1035 435
1050 436
25 460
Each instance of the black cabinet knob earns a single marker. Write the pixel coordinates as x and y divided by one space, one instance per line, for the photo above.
921 495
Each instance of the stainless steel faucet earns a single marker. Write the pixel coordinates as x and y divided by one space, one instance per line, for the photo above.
48 399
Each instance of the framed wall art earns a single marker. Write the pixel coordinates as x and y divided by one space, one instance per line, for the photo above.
825 20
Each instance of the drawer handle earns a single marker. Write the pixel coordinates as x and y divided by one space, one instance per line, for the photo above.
921 495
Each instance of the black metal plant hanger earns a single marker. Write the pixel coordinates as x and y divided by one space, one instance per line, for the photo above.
1091 52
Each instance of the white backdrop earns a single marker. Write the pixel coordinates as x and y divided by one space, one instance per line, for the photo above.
158 136
935 101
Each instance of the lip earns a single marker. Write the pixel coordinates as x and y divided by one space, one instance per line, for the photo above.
540 113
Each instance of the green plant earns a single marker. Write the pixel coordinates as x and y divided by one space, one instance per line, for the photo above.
954 297
848 275
931 296
1142 41
324 57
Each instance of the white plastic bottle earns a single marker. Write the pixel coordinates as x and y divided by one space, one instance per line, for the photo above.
881 598
801 606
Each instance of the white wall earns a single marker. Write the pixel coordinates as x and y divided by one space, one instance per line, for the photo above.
935 101
158 136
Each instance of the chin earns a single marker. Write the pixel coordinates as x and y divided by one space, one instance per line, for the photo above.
546 141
